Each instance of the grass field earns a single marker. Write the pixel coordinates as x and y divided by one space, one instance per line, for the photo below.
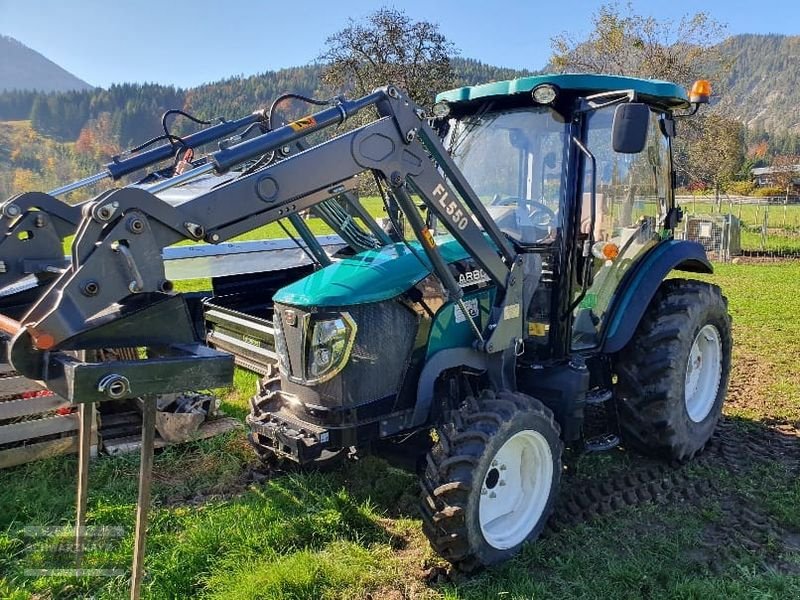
725 526
783 223
750 211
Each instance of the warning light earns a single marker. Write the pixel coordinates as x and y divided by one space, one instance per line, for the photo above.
605 250
701 92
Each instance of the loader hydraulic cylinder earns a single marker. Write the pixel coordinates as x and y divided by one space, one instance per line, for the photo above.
118 168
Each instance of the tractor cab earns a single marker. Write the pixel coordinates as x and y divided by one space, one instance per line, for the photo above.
563 163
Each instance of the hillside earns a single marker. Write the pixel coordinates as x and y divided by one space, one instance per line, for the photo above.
133 110
50 138
762 87
240 94
25 69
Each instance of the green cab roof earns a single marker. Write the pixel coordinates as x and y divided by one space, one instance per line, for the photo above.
658 92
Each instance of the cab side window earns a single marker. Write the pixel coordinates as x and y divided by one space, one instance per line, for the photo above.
631 202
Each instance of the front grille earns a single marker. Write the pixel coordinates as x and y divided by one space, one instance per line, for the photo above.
377 364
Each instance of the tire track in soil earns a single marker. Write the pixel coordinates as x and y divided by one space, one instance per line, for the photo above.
742 525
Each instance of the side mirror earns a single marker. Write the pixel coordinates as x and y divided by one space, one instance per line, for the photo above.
629 131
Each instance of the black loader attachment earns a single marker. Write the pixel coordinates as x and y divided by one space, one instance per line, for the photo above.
114 292
34 225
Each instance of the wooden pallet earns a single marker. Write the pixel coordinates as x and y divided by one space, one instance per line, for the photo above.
35 424
125 440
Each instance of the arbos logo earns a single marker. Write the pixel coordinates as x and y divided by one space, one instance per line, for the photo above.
472 277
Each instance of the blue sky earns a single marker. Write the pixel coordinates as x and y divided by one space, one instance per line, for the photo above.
186 43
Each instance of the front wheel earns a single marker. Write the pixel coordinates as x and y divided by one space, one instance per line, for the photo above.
491 479
673 374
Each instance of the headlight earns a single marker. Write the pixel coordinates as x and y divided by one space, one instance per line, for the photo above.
545 93
328 346
441 110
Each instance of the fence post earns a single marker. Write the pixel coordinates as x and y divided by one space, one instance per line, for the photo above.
764 227
726 253
785 205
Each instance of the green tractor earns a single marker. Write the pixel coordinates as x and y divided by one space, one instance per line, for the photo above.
576 171
531 312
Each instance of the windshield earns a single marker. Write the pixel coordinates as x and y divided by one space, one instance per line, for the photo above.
513 160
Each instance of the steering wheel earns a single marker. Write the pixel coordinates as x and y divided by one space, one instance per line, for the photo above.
546 216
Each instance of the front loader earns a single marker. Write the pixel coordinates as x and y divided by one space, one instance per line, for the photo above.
33 226
527 311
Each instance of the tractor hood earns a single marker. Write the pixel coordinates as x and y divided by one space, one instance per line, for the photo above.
371 276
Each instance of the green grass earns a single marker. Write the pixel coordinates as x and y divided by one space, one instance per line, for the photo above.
763 302
751 213
783 223
776 241
354 533
643 553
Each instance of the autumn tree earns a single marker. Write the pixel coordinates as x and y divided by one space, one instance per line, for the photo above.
708 149
625 43
714 151
97 138
785 171
388 47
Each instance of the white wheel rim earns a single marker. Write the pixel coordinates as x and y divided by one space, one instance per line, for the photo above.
703 372
515 489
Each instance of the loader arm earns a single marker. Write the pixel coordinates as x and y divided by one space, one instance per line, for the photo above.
33 225
114 292
36 225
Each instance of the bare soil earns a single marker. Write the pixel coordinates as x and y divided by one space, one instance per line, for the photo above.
736 450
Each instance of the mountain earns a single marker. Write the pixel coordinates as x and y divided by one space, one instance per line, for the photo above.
238 94
47 139
24 69
132 110
762 85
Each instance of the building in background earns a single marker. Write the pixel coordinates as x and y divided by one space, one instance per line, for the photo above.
775 176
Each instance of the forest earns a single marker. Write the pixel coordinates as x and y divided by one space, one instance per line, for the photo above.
46 138
134 109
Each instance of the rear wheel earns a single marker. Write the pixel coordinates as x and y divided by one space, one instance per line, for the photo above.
673 374
491 479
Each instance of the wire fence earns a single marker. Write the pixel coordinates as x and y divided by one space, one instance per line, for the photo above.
743 225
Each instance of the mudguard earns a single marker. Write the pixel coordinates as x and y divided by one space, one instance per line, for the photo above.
641 283
436 365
